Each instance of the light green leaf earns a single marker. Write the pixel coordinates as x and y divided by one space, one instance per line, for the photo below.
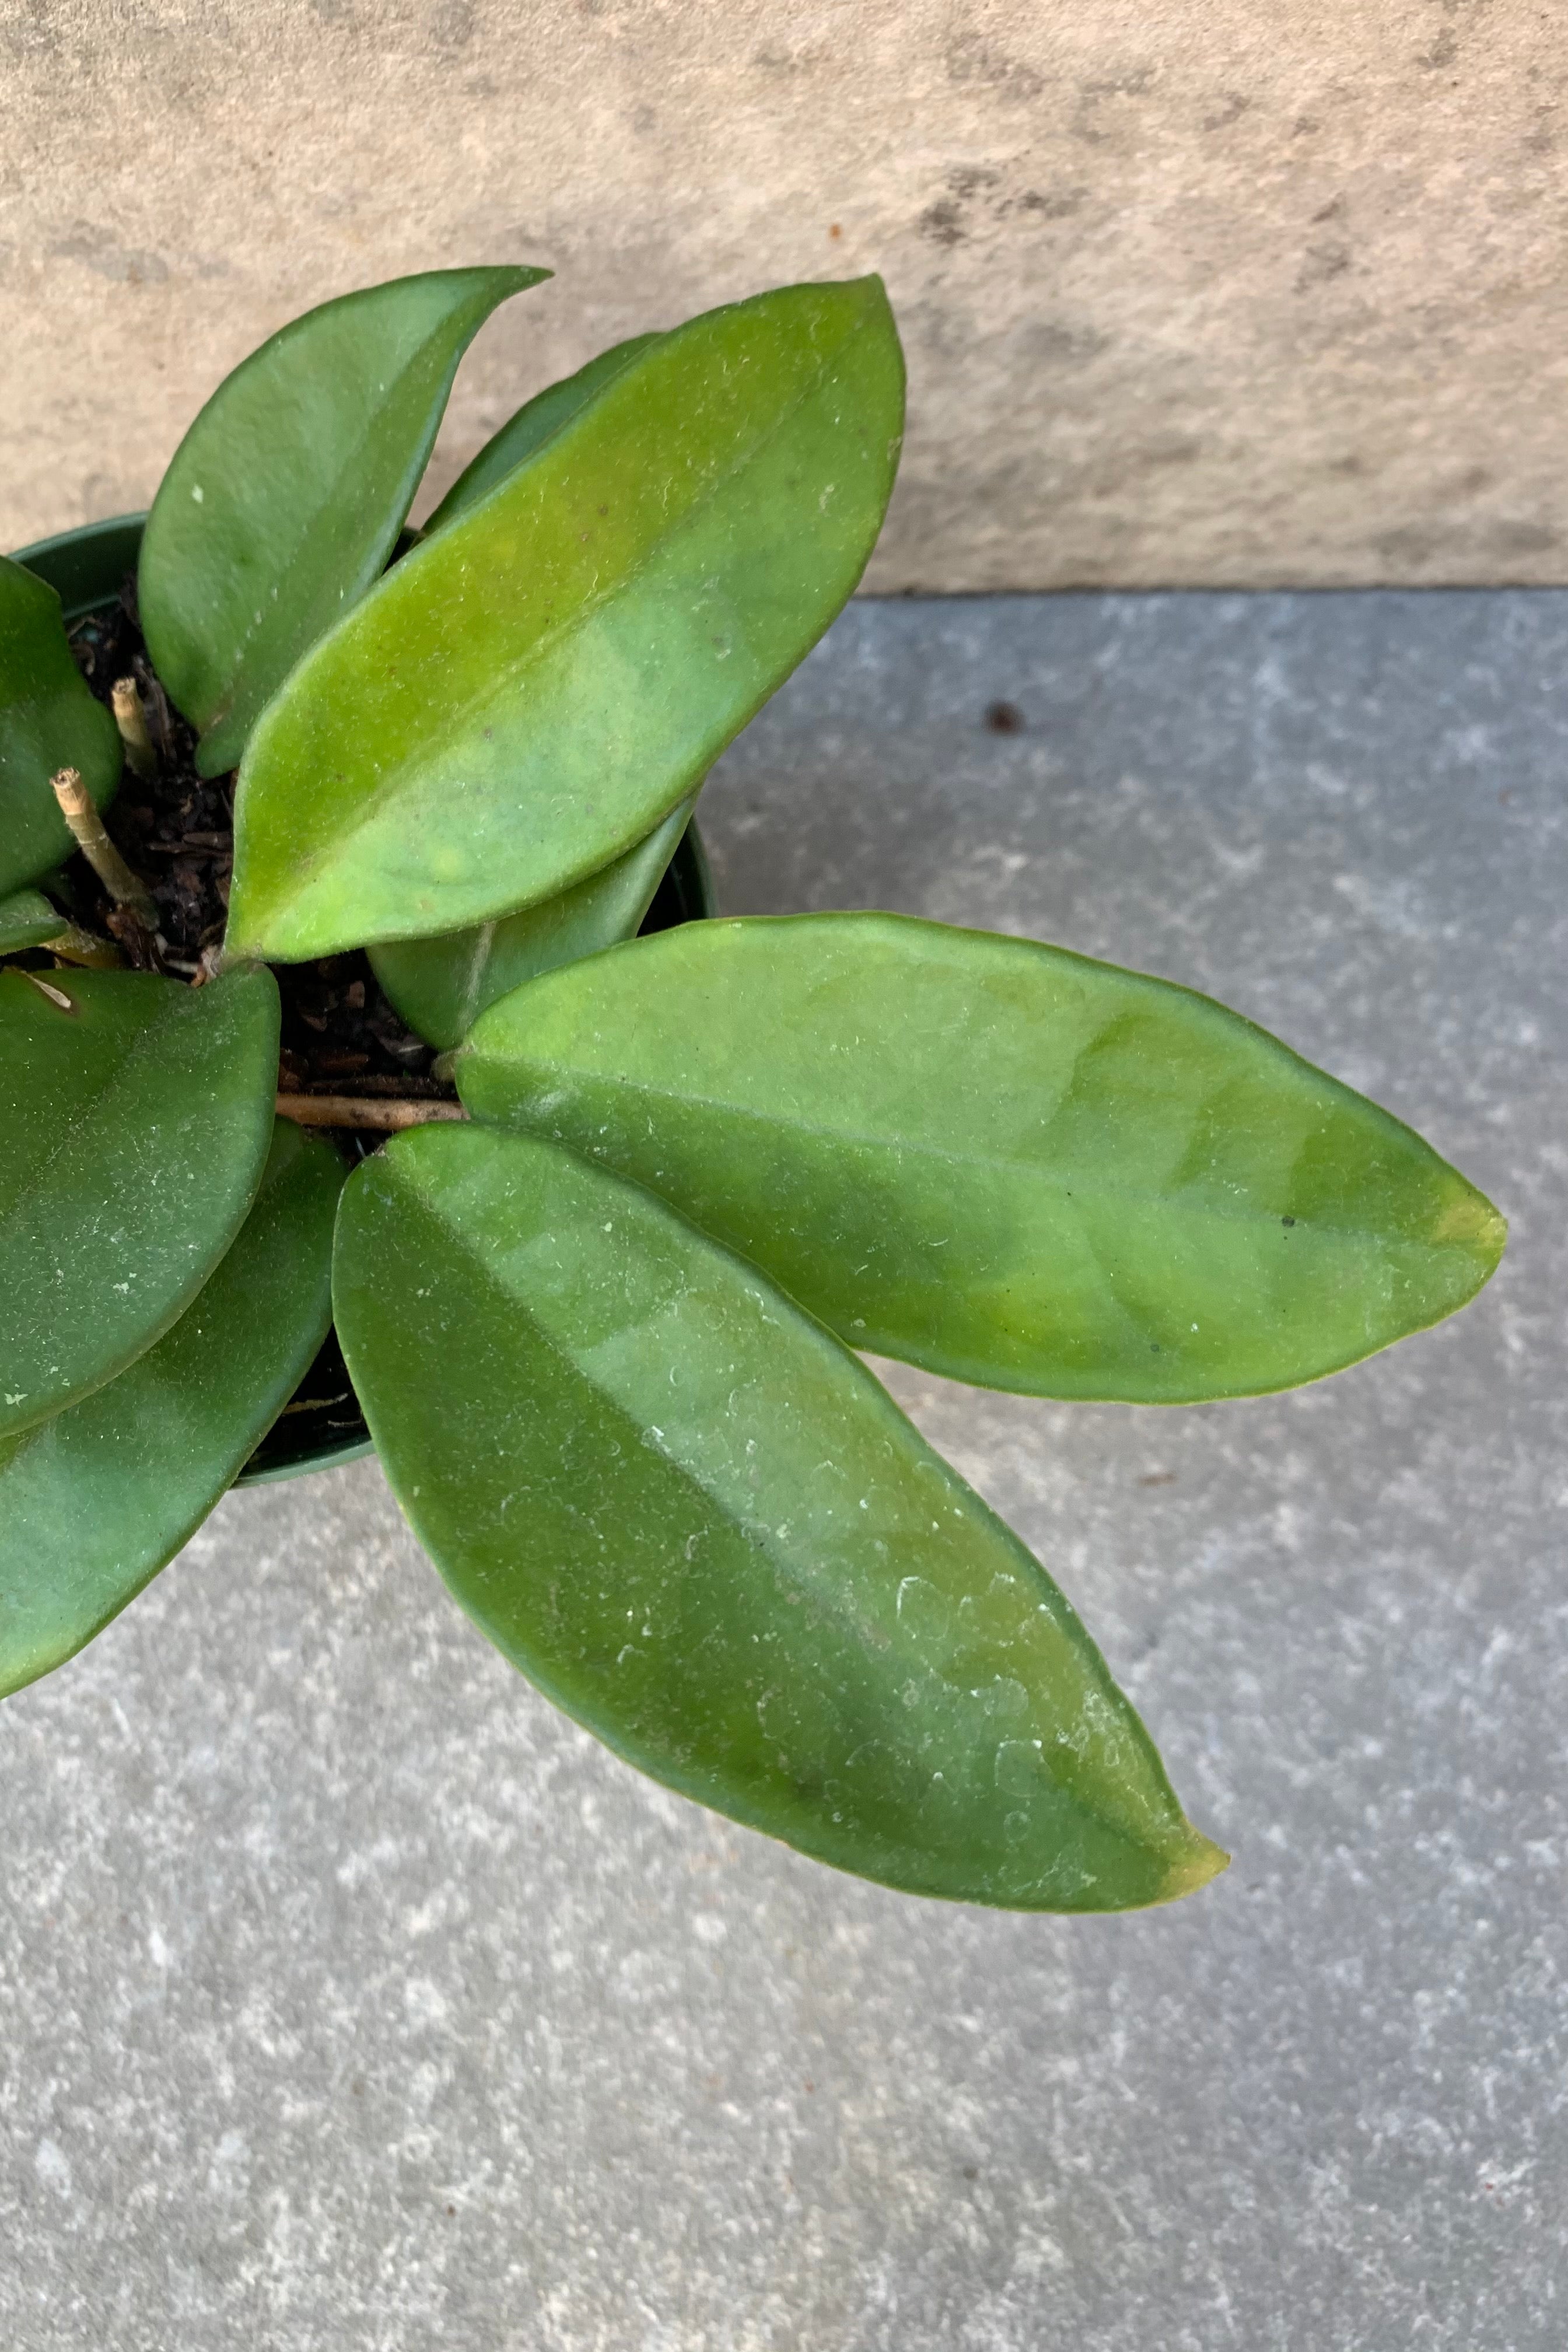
135 1117
533 690
49 720
995 1159
703 1530
538 421
27 920
94 1502
441 986
284 499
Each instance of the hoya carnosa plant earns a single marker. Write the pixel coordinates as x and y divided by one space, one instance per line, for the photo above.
604 1307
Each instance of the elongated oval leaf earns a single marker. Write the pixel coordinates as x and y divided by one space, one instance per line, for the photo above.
47 720
536 422
27 920
284 499
534 688
441 986
703 1529
135 1117
94 1502
995 1159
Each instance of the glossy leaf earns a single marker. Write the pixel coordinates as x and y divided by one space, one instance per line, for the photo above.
995 1159
27 920
47 720
703 1529
135 1118
96 1500
538 421
536 686
441 986
284 499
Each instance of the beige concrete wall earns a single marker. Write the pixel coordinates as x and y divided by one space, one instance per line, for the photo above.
1195 291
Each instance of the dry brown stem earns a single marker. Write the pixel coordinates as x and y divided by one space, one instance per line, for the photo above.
362 1110
127 889
132 720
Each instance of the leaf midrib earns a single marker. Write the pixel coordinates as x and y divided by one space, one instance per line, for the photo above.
994 1163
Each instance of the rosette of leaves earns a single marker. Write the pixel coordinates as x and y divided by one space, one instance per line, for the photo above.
607 1321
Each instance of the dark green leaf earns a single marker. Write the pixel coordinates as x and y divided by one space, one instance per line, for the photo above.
135 1117
47 720
538 421
95 1501
441 986
704 1529
533 690
992 1158
27 920
284 499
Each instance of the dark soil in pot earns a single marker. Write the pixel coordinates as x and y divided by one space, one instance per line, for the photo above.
340 1035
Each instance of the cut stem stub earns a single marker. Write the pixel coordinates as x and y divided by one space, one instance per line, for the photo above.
125 701
362 1110
78 808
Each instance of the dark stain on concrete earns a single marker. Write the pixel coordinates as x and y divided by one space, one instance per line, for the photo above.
1320 263
1094 95
1053 204
973 59
101 250
1411 545
451 25
943 223
1506 537
1442 51
1062 342
1231 107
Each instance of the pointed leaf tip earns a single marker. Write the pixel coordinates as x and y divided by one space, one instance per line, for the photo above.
704 1529
282 502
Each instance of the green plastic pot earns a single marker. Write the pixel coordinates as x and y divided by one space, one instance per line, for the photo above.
86 569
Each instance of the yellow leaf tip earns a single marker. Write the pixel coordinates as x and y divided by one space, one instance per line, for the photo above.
1199 1861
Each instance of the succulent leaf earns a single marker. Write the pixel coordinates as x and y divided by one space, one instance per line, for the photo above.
533 690
283 501
995 1159
704 1529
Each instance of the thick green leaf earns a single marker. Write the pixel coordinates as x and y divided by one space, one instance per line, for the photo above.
47 720
28 920
284 499
532 690
995 1159
704 1529
134 1122
536 422
96 1500
441 986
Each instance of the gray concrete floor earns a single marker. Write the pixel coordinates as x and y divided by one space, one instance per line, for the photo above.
350 1997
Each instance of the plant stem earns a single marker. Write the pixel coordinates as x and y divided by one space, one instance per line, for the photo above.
75 946
362 1110
127 889
131 722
